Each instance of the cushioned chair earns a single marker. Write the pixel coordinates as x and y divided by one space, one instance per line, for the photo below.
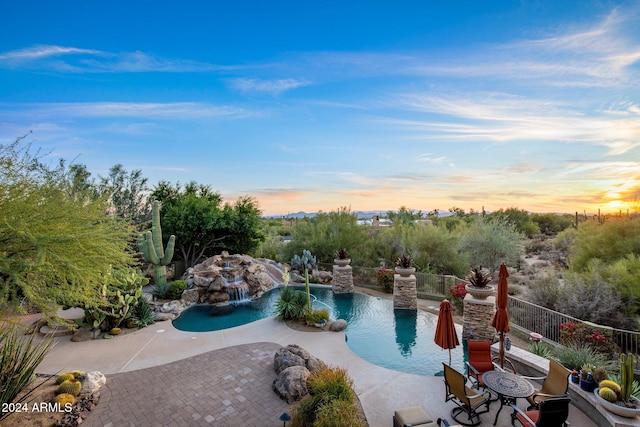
550 413
555 385
469 401
415 416
479 361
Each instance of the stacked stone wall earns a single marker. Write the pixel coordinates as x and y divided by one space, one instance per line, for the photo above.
477 317
405 294
342 279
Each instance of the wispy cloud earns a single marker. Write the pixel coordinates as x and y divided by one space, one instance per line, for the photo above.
171 110
273 87
70 59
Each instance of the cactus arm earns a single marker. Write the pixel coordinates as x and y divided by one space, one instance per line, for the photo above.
168 253
157 230
626 376
148 249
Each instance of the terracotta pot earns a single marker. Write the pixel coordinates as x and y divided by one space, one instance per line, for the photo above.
405 272
617 409
480 293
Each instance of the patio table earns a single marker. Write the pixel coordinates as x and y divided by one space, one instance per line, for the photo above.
509 387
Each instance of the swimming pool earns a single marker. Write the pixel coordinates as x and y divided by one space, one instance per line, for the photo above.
395 339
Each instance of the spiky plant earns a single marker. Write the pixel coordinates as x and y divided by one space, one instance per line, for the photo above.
479 279
63 399
72 387
405 261
342 254
64 377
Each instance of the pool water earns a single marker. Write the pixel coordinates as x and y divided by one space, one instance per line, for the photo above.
401 340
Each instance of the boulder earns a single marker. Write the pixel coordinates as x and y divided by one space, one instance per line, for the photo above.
291 355
291 384
84 334
323 277
284 359
161 317
338 325
190 296
92 381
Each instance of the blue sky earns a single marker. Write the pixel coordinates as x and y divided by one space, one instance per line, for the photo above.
322 104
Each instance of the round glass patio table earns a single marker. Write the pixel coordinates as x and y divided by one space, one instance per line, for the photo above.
509 387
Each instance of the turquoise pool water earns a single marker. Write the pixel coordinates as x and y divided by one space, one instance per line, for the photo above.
396 339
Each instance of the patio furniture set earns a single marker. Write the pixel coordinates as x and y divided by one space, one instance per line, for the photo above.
485 383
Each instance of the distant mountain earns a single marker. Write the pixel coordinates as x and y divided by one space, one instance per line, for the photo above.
359 214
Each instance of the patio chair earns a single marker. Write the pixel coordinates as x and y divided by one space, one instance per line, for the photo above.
415 416
468 400
555 385
550 413
479 362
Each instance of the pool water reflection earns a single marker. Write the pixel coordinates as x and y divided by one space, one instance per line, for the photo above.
396 339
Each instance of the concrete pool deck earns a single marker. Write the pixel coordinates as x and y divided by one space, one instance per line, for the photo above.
164 348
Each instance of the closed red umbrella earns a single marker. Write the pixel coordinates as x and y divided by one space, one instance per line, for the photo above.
446 335
501 319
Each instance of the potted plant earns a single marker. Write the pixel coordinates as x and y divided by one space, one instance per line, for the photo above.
342 258
575 376
617 398
479 284
404 266
587 382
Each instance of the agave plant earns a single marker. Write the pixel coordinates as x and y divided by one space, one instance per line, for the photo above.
479 279
404 261
342 254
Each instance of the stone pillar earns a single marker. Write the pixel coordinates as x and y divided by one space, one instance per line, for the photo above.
477 317
405 294
342 279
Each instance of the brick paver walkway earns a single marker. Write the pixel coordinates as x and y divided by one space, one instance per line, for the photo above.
222 388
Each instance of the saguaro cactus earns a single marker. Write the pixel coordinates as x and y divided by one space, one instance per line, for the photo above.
150 243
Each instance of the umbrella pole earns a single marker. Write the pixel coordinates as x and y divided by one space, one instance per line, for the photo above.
449 357
501 350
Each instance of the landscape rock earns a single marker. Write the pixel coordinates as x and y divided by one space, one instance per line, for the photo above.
284 359
323 277
214 275
92 382
190 296
291 384
83 334
161 317
338 325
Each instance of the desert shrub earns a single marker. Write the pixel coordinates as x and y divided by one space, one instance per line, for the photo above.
589 297
338 413
331 401
176 288
161 290
143 314
19 358
291 305
545 291
575 355
317 316
384 279
331 384
539 349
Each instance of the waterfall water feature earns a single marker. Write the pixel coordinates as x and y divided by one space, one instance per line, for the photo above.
235 286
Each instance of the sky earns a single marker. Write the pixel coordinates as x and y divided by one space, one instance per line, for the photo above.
318 105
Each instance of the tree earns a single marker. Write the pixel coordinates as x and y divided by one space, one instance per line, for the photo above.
204 226
57 245
328 232
127 194
404 215
489 241
520 219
